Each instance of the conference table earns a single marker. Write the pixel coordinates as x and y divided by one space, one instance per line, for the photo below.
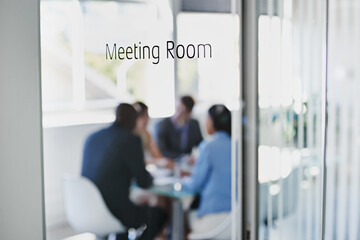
167 185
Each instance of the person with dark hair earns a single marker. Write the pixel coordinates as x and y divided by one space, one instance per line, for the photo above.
126 116
219 119
141 129
188 102
113 158
152 152
211 176
152 155
177 135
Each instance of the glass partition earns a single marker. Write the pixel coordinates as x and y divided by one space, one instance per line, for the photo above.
342 213
83 80
291 67
96 54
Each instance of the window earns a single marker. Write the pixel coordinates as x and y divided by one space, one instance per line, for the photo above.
210 80
77 77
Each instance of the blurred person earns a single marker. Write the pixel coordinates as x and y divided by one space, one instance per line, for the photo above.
151 150
113 158
211 177
152 156
179 134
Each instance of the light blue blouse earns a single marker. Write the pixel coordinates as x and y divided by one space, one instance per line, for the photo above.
211 177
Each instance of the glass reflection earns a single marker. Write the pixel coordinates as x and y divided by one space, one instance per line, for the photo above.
290 71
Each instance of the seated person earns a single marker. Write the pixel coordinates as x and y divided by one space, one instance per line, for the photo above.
151 150
113 158
211 177
152 155
178 135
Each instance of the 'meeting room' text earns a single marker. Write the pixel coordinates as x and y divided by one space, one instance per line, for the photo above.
139 51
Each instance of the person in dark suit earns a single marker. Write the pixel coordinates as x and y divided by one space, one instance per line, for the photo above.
177 135
113 158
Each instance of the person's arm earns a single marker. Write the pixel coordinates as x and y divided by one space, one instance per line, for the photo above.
201 173
153 149
162 141
137 164
157 157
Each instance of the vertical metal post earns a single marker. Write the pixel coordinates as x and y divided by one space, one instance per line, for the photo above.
324 118
236 136
250 131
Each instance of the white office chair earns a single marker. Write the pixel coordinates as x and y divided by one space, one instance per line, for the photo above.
222 231
86 210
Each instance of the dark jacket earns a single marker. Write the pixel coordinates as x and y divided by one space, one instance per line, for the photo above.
169 139
113 157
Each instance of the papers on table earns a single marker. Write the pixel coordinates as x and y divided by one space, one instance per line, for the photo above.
162 176
161 173
157 172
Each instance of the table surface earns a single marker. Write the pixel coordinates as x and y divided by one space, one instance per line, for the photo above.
166 184
168 190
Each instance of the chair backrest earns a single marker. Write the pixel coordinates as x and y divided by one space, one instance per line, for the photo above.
222 231
85 208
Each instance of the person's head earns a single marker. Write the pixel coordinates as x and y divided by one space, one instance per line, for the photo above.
183 109
219 119
142 116
126 116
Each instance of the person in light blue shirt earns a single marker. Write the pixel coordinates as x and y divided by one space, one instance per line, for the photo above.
211 177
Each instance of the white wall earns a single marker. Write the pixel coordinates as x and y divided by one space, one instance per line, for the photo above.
21 195
63 147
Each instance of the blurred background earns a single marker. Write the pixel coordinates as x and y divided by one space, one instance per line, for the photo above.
80 88
308 80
